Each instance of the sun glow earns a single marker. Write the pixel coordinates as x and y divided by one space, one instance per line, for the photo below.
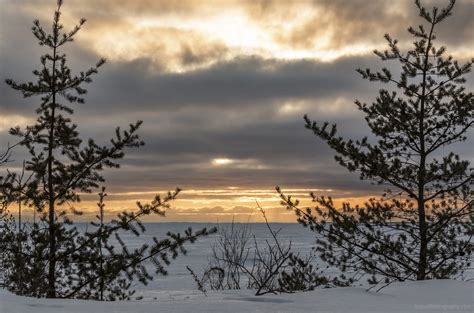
210 205
196 42
203 34
223 161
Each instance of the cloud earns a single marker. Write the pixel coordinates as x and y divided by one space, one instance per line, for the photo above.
206 93
236 92
178 36
167 48
7 121
248 81
346 25
248 110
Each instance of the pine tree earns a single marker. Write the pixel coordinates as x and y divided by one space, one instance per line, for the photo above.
58 260
58 178
421 228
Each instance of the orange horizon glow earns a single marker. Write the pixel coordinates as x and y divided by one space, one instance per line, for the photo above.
207 205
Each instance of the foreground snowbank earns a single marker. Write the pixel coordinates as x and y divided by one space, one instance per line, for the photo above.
429 296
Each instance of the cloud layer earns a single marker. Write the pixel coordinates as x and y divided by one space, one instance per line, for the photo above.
221 80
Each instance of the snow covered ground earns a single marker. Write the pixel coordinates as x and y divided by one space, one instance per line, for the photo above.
429 296
177 291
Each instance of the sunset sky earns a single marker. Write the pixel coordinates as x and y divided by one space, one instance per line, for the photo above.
222 87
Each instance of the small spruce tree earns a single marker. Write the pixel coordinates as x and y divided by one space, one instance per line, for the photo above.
57 259
421 228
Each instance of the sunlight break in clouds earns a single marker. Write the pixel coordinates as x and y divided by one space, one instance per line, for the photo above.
197 43
239 163
224 161
194 35
197 35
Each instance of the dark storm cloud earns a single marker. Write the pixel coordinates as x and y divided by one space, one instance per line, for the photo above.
246 81
249 82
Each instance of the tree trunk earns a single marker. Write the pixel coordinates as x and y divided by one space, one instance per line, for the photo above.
52 234
422 262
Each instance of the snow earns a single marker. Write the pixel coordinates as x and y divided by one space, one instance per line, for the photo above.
428 296
176 293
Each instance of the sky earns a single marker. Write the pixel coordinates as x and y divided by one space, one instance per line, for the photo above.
222 87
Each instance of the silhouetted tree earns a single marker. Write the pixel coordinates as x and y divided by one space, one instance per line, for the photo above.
422 226
57 259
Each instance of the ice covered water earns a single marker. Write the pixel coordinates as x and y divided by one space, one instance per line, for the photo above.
198 254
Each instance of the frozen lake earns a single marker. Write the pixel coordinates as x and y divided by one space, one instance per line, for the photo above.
179 279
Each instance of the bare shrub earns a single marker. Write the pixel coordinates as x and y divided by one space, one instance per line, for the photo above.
238 258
